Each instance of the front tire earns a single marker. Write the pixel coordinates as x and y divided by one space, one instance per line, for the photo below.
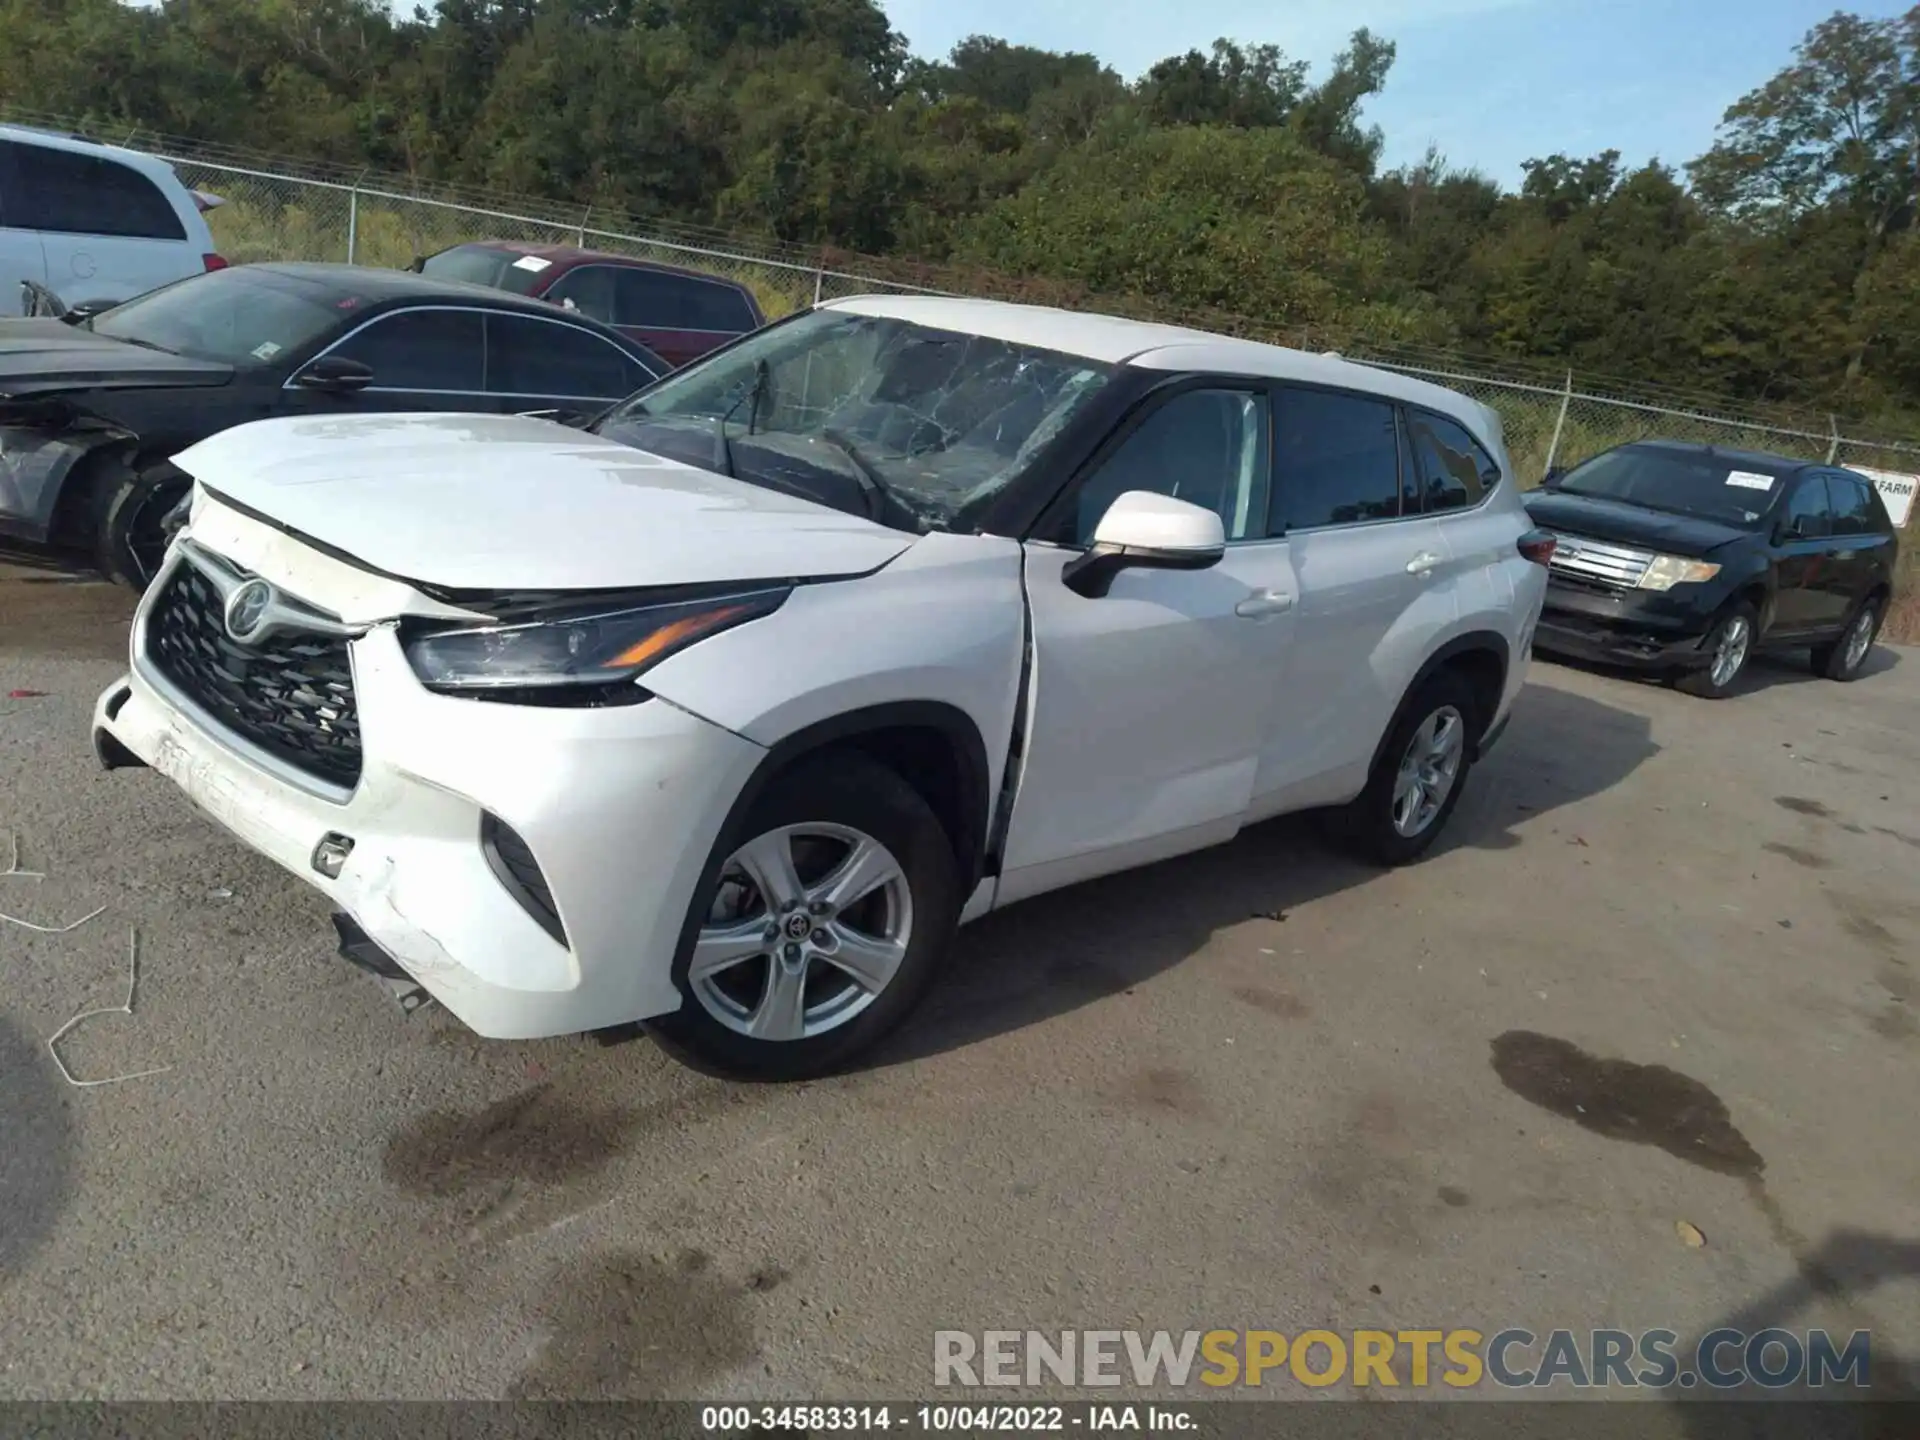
1729 645
819 924
1418 777
133 530
1843 659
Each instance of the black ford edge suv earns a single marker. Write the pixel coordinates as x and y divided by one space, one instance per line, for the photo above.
1686 559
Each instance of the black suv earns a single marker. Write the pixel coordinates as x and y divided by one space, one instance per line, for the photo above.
1686 559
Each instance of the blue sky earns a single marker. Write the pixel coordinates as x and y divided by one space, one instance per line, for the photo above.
1490 82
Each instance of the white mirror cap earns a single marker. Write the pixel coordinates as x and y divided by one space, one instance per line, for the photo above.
1142 520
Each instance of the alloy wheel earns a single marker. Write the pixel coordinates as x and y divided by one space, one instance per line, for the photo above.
1428 770
1859 639
808 927
1730 653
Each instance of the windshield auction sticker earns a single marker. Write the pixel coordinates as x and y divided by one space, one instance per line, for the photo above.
1748 480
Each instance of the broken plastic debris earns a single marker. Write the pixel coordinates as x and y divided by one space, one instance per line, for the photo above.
133 979
51 929
26 694
1690 1235
13 870
220 893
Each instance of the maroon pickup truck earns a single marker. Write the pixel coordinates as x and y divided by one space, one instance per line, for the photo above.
678 314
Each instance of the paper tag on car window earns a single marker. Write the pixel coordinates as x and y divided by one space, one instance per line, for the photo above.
1747 480
531 262
265 350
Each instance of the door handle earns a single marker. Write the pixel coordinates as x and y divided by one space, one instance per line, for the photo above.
1264 602
1422 563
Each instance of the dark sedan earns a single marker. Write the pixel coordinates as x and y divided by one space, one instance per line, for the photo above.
90 410
679 314
1687 559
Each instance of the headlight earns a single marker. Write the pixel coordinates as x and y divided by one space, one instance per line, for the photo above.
1667 571
592 650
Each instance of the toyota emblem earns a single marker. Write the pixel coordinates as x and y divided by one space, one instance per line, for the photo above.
248 610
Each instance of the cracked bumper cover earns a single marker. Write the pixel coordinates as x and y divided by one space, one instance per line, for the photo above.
621 807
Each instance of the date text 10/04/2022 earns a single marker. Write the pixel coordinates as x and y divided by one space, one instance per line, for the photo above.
937 1419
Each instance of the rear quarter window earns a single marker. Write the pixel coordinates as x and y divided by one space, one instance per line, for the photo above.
656 300
1455 471
482 265
67 192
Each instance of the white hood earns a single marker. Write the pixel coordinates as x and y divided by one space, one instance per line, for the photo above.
502 502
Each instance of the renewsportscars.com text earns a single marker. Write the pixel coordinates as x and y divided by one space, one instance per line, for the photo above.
1459 1358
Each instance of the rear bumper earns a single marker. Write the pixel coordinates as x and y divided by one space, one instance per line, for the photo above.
1647 632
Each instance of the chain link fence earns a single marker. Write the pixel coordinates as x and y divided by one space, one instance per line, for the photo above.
368 219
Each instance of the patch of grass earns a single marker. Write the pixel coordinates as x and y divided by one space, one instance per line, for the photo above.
1902 624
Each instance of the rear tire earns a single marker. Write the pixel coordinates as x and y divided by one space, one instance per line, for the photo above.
790 968
132 534
1729 644
1843 659
1419 775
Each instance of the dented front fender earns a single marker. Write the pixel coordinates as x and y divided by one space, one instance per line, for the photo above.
35 467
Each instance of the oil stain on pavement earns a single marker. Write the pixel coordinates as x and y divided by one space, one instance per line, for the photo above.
1644 1104
631 1326
534 1133
1650 1105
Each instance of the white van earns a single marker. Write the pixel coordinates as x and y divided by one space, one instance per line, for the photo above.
93 222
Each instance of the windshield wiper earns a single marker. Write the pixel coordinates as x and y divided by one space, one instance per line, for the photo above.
722 446
871 485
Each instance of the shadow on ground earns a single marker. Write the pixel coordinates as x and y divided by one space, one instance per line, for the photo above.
1840 1273
1788 667
1105 936
36 1148
71 617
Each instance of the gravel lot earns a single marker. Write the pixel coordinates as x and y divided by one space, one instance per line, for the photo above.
1254 1087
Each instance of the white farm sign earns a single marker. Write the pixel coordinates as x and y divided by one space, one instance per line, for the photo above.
1895 488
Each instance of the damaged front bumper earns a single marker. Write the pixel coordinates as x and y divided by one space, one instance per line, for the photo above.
619 805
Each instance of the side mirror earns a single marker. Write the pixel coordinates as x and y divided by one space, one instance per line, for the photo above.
1142 530
336 375
1553 477
418 264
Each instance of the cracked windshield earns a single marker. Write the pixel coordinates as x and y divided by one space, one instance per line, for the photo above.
914 423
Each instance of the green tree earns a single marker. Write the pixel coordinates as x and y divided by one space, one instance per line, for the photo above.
1836 133
1251 221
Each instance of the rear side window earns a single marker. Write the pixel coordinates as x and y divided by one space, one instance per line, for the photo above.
1853 509
529 357
484 265
422 350
1455 473
1807 513
588 289
655 300
71 193
1336 459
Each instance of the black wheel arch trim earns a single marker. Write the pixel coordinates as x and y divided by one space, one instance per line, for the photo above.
1482 642
951 722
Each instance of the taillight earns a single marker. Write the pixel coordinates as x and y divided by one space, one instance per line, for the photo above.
214 262
1537 546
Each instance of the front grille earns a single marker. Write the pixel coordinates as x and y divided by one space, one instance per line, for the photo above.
1598 562
291 694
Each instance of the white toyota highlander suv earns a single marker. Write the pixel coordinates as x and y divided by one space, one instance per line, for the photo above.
722 713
